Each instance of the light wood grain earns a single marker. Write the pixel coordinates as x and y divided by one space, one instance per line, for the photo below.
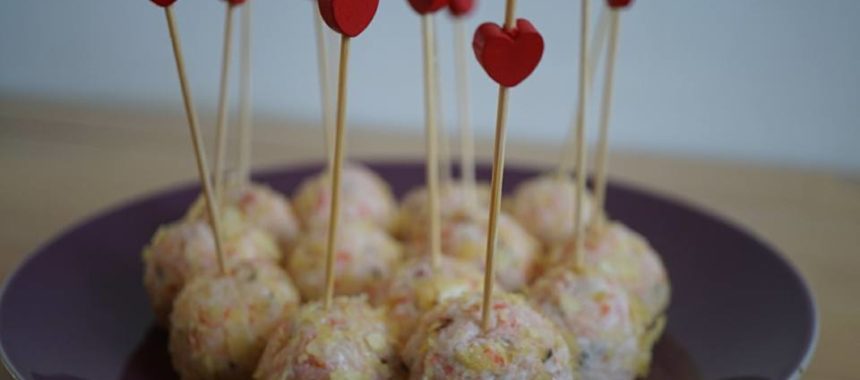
64 163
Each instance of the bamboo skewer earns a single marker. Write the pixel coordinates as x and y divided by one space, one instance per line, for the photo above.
196 141
495 204
221 121
335 170
245 112
601 160
432 138
595 51
578 223
467 142
445 174
325 83
496 185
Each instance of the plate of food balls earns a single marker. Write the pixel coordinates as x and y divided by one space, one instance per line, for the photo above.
406 269
84 305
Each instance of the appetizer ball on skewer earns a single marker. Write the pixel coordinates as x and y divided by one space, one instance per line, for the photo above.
415 287
464 236
545 204
364 197
364 255
412 219
519 344
220 324
260 206
596 314
621 255
349 341
184 250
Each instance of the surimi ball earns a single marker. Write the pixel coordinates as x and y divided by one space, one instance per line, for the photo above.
596 315
464 236
454 198
545 207
416 286
351 340
260 206
220 324
624 256
184 250
520 343
364 255
364 197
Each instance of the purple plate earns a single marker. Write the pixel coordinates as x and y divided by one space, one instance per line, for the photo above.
76 308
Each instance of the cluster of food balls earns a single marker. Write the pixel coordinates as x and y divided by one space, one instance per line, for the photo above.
398 314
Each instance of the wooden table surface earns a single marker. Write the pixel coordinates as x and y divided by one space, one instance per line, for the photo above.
63 163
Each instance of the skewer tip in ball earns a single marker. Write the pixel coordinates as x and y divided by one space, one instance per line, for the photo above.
348 17
520 343
597 316
508 56
459 8
349 340
220 324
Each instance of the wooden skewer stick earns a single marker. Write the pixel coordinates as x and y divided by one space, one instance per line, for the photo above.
332 46
495 204
442 129
245 113
467 142
605 112
578 223
335 170
325 82
196 141
431 138
598 43
595 51
496 184
221 121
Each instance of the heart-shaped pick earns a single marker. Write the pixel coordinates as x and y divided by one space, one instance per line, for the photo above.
163 3
236 2
618 3
427 6
460 7
508 56
348 17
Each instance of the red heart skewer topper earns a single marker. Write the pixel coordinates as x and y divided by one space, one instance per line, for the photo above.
619 3
163 3
348 17
427 6
236 2
508 56
460 8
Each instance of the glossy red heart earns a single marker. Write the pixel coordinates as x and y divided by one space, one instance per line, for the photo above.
427 6
618 3
236 2
461 7
163 3
348 17
508 56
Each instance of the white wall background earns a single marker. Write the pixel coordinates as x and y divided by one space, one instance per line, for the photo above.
769 80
